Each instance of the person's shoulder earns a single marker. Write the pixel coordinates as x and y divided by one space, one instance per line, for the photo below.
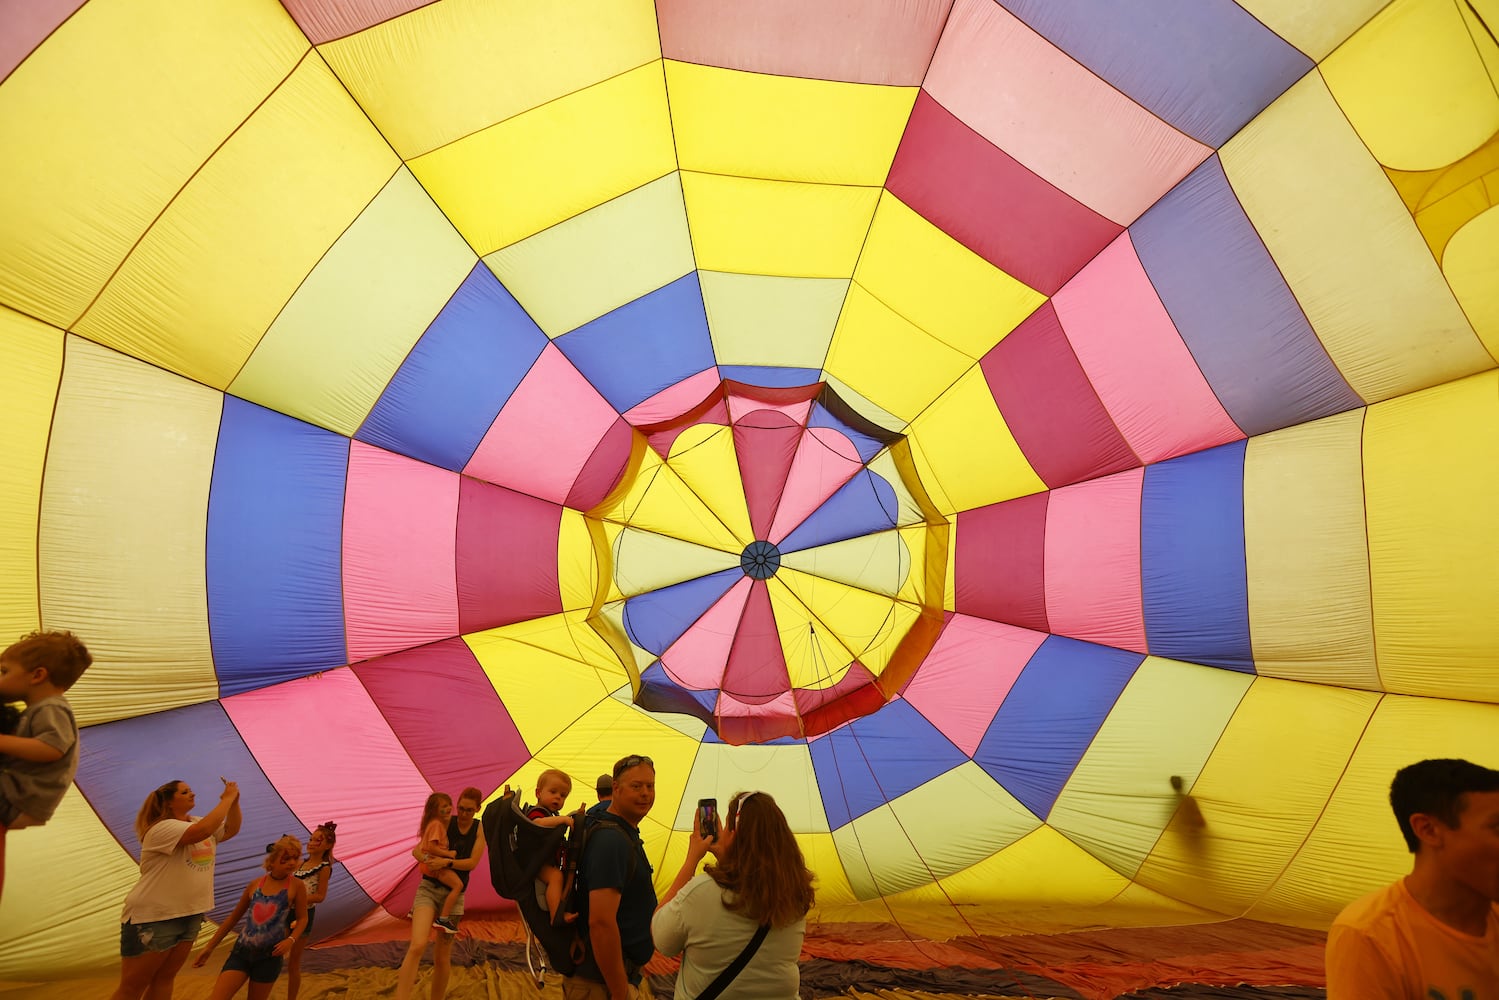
54 704
1372 908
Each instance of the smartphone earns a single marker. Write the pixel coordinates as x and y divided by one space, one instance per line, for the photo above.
707 817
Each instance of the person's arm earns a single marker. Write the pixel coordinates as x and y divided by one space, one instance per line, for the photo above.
603 934
204 827
236 818
30 749
52 734
547 822
431 845
1357 969
697 849
299 901
471 862
669 927
232 921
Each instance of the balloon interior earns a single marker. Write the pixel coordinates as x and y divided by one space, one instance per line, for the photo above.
1051 447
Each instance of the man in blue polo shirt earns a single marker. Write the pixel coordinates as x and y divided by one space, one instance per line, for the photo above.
621 892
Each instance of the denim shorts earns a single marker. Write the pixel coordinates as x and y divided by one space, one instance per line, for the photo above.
430 893
158 935
261 967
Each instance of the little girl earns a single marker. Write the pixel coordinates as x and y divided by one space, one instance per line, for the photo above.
273 900
434 844
314 874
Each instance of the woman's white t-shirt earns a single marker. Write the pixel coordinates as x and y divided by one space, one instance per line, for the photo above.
696 925
175 881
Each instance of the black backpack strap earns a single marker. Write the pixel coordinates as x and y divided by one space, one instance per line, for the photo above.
735 967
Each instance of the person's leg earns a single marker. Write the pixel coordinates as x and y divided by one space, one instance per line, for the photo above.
228 984
259 991
442 964
294 967
136 973
551 876
166 973
450 878
421 926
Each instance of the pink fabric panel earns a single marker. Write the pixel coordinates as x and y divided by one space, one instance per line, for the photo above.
764 444
756 670
967 675
697 658
1093 561
675 400
546 431
324 745
506 556
798 410
851 40
1001 562
825 460
1054 115
400 520
1136 361
27 25
325 20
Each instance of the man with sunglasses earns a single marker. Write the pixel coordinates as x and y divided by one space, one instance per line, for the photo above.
621 893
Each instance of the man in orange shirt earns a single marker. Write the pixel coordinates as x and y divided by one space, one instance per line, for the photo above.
1434 935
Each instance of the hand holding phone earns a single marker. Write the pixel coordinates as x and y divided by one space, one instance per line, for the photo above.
707 818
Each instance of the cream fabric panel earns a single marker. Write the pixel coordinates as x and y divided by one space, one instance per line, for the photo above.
30 366
760 319
1348 248
1314 28
122 540
1306 554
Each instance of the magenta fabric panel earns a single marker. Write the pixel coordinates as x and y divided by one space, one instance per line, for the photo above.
850 40
1093 561
983 198
756 671
967 675
1001 559
324 20
1050 406
604 468
421 692
764 443
27 23
506 556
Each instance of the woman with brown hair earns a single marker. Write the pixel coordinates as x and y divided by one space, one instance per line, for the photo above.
759 888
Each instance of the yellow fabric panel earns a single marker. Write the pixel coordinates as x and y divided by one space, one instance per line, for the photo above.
869 625
863 407
784 127
577 566
704 457
1246 817
122 540
966 455
1119 797
337 344
516 178
657 500
64 883
870 337
1431 464
646 561
922 588
1356 845
1470 263
1348 249
582 268
1314 28
777 227
938 284
104 123
879 562
1044 867
759 319
924 817
430 77
785 772
1306 554
816 658
30 367
1414 85
208 279
821 854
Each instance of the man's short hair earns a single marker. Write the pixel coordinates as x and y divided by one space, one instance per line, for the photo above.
1436 788
604 787
625 763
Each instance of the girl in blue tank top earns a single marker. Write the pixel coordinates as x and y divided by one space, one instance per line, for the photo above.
268 906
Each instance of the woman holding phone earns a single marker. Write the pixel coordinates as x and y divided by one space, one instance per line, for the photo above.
746 911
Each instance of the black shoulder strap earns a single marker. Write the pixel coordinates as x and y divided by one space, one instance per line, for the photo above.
735 967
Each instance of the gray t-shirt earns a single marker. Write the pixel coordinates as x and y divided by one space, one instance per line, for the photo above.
36 788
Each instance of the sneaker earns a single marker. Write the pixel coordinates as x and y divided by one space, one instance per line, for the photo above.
447 925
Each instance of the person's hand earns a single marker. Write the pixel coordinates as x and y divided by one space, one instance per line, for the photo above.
282 947
202 958
230 792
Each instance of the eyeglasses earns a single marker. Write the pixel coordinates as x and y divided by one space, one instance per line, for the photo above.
467 810
634 760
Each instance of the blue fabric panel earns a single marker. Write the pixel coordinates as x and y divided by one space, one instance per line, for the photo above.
275 529
645 346
1193 579
866 446
1233 309
1050 717
659 693
1205 66
656 619
880 757
770 376
864 504
120 763
464 368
